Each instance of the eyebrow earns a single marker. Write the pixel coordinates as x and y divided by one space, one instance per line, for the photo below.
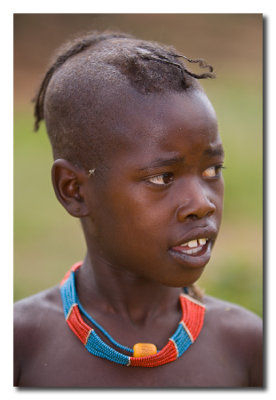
217 151
161 162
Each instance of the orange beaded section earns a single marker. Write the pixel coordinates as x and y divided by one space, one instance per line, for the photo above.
78 326
144 349
192 315
166 355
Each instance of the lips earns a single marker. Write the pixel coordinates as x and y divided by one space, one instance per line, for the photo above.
196 233
194 249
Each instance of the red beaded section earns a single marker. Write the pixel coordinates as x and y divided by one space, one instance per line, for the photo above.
192 315
72 269
166 355
77 324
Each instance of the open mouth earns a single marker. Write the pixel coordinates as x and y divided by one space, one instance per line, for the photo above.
195 247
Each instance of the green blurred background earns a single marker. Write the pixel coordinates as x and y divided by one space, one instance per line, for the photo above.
47 240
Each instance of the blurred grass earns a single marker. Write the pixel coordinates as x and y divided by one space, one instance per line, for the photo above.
47 240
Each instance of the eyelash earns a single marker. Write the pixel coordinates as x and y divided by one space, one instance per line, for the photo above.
170 176
217 169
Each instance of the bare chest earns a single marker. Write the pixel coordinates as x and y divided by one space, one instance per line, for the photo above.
64 362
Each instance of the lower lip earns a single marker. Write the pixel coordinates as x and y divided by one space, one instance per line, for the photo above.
197 259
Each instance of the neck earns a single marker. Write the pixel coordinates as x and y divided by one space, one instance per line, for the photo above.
117 291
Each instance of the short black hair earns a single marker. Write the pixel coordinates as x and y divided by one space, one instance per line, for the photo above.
85 72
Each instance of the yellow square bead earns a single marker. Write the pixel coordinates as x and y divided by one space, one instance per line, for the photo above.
144 349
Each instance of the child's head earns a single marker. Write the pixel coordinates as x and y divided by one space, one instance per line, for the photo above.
132 111
92 73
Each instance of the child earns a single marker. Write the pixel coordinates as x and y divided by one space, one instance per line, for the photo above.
138 159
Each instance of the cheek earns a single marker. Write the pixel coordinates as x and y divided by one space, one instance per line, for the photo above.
131 235
221 192
131 219
218 198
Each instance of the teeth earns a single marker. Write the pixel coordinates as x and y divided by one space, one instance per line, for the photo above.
194 243
192 251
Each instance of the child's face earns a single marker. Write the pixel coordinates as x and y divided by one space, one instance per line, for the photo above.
164 189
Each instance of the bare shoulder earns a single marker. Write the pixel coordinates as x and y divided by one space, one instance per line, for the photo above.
241 332
32 318
30 311
34 312
240 318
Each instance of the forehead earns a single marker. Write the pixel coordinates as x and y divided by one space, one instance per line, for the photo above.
158 122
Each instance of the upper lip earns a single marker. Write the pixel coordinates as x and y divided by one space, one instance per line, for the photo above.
206 232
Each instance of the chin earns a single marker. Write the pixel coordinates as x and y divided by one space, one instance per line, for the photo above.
183 279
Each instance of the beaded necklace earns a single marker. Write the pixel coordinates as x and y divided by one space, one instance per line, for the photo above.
186 333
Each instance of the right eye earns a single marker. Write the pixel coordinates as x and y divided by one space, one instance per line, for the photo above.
213 172
162 179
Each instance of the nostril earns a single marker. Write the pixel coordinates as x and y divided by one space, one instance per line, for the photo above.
210 213
192 217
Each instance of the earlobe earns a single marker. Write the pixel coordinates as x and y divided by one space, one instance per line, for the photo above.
68 181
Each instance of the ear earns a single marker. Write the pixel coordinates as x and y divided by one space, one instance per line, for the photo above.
68 181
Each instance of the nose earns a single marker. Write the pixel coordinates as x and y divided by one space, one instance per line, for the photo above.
195 201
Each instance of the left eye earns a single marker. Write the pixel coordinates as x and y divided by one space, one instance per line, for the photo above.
212 172
162 179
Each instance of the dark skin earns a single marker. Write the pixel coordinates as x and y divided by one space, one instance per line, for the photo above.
163 187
